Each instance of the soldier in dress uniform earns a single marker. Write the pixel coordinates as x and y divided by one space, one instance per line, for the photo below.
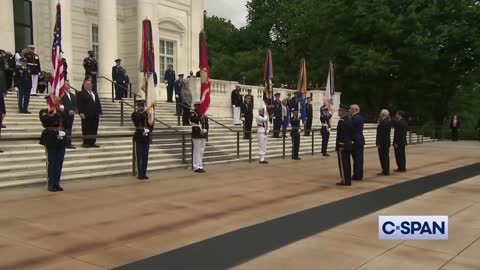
179 85
237 101
285 116
400 126
53 138
295 134
187 104
119 77
23 81
262 135
308 124
343 145
383 141
142 138
199 137
277 116
33 64
247 115
358 142
325 116
91 69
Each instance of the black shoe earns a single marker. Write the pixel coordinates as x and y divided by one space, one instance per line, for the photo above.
28 112
85 145
3 126
342 184
71 147
356 179
59 188
263 162
94 146
202 171
382 174
1 151
398 170
325 155
52 189
198 171
142 178
296 158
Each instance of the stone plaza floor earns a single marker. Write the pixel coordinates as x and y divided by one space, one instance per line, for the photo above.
107 223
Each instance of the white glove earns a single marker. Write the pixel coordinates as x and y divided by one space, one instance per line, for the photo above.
176 96
233 106
204 131
16 89
61 133
146 131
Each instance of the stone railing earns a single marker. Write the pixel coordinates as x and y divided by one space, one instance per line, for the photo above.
220 105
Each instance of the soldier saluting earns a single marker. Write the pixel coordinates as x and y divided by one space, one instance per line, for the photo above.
91 69
54 139
343 145
142 138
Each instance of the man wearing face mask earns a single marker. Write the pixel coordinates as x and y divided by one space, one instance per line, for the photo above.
91 69
53 139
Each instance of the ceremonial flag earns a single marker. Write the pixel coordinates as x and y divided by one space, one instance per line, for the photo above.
302 89
330 88
204 74
147 66
268 76
57 82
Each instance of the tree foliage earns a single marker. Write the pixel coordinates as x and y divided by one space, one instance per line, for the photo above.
422 56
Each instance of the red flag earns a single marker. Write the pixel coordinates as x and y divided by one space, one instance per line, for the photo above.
57 83
205 75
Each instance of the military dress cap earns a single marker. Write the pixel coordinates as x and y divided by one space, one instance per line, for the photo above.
180 75
344 107
118 60
90 51
277 94
31 46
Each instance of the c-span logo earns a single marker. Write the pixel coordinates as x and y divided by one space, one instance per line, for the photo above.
413 227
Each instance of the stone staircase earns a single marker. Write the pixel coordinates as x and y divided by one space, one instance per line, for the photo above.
23 162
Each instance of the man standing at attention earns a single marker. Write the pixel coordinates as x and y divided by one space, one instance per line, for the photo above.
400 126
383 141
325 116
358 142
91 69
170 81
69 101
343 145
199 137
236 105
90 110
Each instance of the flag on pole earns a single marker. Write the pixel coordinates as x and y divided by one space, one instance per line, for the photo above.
268 76
205 75
57 83
302 89
147 66
330 87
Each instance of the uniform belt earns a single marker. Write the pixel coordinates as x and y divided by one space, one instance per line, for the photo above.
324 125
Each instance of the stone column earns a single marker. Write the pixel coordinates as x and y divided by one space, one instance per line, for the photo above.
7 30
108 42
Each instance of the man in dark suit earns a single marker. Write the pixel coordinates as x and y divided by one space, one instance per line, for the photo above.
343 145
69 102
247 115
308 125
358 142
170 81
455 127
249 94
119 77
400 126
90 110
3 110
277 116
53 138
142 138
383 141
179 85
23 81
91 68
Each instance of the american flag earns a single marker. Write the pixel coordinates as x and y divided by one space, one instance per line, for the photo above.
57 77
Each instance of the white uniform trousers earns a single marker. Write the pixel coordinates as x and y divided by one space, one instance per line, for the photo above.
237 116
33 91
198 149
262 143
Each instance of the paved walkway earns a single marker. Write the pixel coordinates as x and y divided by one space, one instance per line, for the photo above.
112 222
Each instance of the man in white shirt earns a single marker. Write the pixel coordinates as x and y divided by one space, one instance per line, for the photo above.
262 132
